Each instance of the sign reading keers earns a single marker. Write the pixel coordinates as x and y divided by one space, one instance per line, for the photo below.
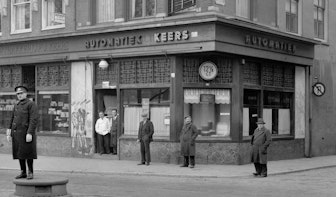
172 36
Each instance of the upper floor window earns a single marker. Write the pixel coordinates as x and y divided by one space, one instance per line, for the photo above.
179 5
105 11
53 13
292 10
261 11
21 16
319 13
2 5
143 8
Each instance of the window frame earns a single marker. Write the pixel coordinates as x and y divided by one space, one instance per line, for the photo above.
171 6
299 17
94 10
324 18
13 18
44 13
144 6
262 88
252 12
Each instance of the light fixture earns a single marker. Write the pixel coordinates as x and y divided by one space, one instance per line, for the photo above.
103 64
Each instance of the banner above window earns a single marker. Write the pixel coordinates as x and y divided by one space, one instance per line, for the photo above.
222 96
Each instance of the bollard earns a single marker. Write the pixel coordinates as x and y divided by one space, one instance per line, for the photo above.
41 187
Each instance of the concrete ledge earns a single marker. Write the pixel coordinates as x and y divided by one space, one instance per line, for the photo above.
39 187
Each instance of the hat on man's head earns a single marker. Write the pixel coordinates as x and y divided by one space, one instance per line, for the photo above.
19 89
144 115
260 121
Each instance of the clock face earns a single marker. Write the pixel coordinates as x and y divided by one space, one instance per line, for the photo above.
208 71
319 89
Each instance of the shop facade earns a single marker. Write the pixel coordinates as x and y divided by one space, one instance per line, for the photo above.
225 75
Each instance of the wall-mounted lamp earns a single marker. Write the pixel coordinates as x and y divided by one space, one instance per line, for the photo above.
103 64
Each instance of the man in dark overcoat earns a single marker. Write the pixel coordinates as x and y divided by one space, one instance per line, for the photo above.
145 136
188 136
260 141
114 131
21 132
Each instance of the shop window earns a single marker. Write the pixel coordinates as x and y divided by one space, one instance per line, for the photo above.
319 18
143 8
53 14
250 111
53 107
155 102
261 11
210 110
292 16
277 111
7 102
181 5
21 16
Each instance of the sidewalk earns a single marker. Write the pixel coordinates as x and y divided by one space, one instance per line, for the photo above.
122 167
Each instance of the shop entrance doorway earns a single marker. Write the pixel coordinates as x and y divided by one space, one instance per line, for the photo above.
107 102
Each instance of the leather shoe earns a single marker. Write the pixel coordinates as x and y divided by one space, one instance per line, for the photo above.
192 166
30 175
184 165
21 176
263 175
256 174
142 163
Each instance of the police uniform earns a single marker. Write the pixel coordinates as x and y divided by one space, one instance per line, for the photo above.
23 122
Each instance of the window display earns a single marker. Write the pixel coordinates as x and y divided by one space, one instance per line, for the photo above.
153 101
54 112
7 102
210 110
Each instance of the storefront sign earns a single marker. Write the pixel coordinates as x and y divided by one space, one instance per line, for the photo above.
208 71
114 42
171 36
268 43
207 98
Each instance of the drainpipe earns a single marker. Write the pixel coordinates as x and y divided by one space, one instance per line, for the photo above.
308 154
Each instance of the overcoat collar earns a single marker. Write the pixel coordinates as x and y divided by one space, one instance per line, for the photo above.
259 132
22 102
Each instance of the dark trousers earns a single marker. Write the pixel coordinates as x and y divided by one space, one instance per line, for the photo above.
261 168
186 160
104 143
29 164
145 151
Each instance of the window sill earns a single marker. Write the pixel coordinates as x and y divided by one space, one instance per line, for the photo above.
135 137
53 27
53 134
274 137
21 31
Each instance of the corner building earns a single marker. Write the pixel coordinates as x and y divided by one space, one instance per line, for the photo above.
225 63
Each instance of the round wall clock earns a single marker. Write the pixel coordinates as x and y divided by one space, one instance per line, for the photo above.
208 70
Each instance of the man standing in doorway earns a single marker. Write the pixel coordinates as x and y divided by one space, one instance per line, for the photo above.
145 136
21 132
260 141
103 135
114 131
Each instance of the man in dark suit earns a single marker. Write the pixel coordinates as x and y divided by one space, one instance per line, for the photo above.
260 142
21 132
145 136
114 131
